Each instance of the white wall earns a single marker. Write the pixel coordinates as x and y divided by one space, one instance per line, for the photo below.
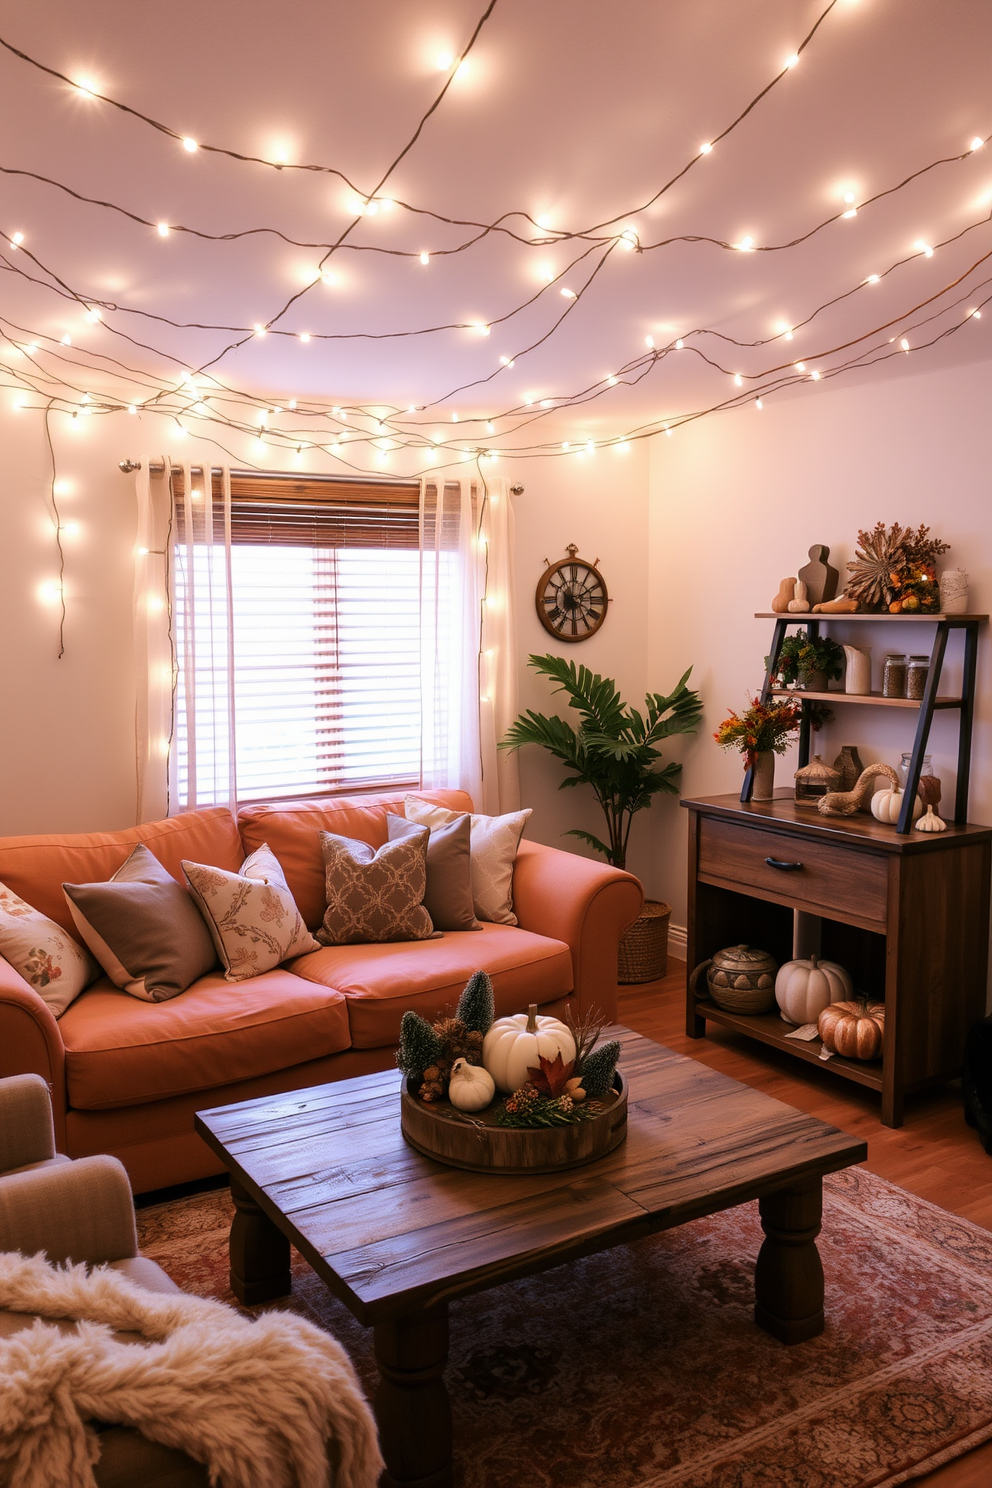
735 502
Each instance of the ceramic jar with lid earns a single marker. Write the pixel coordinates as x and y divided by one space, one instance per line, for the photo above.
739 979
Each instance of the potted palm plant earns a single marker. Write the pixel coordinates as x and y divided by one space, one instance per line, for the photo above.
615 750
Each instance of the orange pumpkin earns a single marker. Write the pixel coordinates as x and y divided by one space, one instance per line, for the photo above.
853 1029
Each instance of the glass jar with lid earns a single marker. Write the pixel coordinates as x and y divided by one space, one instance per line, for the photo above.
925 769
894 676
916 676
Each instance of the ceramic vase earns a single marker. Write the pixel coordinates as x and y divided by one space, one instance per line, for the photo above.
763 778
954 591
857 678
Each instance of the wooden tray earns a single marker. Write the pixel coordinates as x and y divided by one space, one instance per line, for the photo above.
476 1143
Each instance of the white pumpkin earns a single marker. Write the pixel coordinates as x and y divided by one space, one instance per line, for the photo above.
804 988
887 804
514 1045
470 1087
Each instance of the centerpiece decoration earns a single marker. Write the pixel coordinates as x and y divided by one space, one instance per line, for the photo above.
527 1092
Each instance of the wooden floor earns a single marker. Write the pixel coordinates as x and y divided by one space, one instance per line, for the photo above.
934 1154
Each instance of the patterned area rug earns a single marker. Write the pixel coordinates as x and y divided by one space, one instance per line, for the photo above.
642 1368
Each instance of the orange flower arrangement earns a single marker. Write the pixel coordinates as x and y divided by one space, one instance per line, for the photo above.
764 726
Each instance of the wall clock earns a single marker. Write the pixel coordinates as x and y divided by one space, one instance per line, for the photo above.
571 598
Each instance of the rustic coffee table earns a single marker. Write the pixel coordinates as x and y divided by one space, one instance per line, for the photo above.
398 1236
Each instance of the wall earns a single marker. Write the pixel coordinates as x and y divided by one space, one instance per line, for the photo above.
735 502
67 745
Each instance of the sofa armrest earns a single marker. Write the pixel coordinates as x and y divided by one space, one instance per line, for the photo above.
30 1041
73 1211
586 904
26 1132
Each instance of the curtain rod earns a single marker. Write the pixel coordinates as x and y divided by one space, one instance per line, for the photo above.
157 467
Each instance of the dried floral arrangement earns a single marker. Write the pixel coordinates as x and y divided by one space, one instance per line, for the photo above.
895 569
560 1092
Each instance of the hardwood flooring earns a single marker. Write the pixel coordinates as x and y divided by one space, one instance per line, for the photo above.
934 1154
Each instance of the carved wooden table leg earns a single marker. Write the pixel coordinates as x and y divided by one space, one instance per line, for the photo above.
788 1279
411 1403
259 1252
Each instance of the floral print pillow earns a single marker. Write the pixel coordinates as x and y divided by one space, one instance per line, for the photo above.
251 915
44 954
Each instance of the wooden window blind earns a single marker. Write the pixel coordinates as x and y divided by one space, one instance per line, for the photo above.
325 578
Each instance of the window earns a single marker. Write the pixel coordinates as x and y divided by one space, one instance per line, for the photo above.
321 636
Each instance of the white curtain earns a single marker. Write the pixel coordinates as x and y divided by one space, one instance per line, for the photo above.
468 651
203 768
153 644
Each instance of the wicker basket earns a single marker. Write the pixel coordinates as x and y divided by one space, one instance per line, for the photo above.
643 955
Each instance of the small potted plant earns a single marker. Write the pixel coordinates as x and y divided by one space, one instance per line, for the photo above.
615 751
760 733
809 662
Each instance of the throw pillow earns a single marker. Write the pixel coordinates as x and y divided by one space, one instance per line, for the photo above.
143 928
374 896
448 896
495 840
251 915
57 968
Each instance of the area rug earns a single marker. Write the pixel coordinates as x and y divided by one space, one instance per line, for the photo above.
642 1367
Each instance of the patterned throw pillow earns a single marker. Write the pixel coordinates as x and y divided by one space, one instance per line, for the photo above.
251 915
495 840
57 968
374 896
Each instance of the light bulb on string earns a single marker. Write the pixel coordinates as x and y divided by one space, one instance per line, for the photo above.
163 229
425 259
190 144
649 342
305 337
976 143
679 344
924 248
569 294
792 61
16 241
904 344
705 150
758 404
738 380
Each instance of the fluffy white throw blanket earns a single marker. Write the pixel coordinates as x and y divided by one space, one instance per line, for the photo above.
256 1400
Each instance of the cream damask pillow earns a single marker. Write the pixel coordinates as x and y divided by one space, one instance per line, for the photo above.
374 896
252 915
50 960
495 840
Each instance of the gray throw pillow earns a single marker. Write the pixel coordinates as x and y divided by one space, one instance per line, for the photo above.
143 928
448 896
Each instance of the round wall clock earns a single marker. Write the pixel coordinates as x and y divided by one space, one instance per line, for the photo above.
571 598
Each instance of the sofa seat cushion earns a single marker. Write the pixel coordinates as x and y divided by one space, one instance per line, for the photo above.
122 1052
380 982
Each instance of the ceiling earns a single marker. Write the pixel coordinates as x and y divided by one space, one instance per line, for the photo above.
568 111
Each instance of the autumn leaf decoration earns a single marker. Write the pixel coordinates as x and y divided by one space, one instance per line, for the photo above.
552 1077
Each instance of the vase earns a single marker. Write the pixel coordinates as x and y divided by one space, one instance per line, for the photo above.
763 776
857 678
954 591
848 763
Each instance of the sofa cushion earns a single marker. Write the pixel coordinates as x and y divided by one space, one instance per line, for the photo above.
45 956
121 1052
448 895
143 928
380 982
251 915
374 894
493 849
291 829
37 867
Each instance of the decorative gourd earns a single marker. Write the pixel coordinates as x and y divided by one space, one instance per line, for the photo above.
931 822
514 1045
886 805
800 604
786 591
846 803
470 1087
853 1029
804 988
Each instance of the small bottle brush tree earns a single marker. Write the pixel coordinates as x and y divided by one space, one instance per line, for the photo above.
614 749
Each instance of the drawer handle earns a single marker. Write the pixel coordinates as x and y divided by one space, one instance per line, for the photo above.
785 867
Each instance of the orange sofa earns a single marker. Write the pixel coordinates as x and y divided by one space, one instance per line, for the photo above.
126 1076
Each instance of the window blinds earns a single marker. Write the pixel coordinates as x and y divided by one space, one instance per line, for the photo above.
325 597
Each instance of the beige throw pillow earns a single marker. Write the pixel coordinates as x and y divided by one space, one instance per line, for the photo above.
374 896
143 928
251 915
495 840
57 968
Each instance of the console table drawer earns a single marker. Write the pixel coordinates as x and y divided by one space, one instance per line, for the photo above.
815 876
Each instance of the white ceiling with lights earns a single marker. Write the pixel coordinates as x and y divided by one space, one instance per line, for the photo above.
613 217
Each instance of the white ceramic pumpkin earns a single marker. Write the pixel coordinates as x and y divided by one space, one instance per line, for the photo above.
514 1045
804 988
887 804
469 1086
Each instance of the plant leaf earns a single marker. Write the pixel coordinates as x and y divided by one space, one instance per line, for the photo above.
553 1075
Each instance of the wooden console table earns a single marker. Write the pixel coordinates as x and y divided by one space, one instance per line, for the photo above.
907 915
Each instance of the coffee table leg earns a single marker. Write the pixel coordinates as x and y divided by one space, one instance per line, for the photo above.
411 1403
788 1279
259 1252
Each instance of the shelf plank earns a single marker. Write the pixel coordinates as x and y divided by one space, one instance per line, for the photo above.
886 619
769 1028
855 697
